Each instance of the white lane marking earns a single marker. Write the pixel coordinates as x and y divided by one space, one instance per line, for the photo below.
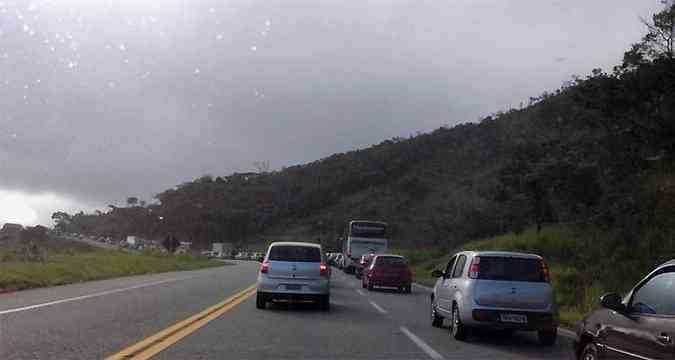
423 287
421 344
377 307
567 333
360 292
561 331
82 297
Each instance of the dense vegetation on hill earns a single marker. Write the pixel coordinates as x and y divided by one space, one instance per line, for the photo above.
598 151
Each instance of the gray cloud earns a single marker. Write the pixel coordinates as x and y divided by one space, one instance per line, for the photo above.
100 100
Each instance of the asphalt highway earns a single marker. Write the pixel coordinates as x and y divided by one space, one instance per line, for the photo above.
210 314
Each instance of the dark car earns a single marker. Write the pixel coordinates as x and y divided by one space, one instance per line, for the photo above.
388 271
364 262
639 326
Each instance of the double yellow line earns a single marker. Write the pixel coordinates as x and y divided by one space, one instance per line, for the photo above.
151 346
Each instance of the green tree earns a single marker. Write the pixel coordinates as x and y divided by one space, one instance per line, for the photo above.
659 41
132 201
61 220
171 243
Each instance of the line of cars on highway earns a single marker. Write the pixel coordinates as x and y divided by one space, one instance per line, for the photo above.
241 255
502 291
379 271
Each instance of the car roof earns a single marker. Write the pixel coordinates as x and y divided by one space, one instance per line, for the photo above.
667 263
504 254
295 243
369 221
657 269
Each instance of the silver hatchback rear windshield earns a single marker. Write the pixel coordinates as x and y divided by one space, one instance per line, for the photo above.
295 253
510 269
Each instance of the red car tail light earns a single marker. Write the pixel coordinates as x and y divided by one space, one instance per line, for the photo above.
265 267
474 267
323 269
545 271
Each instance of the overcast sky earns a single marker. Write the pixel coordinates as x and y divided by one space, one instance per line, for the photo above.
100 100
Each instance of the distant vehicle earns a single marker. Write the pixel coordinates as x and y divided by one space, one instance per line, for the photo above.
496 290
217 248
363 263
294 271
221 249
362 237
639 326
332 259
388 271
339 260
131 240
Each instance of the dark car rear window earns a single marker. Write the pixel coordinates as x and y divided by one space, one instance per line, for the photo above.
295 253
390 261
510 269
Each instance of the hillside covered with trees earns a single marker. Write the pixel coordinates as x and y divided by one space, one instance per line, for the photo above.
598 151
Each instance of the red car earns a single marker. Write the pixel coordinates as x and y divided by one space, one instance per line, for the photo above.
388 271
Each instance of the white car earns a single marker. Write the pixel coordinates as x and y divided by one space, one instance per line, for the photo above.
498 290
294 271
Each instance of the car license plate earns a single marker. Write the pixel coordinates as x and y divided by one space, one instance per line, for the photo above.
513 318
293 287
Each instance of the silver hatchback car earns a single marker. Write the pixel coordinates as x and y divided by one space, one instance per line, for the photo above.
499 290
294 271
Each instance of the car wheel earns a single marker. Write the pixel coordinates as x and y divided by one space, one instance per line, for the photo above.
458 331
363 284
370 287
260 301
436 320
548 337
408 289
324 303
590 352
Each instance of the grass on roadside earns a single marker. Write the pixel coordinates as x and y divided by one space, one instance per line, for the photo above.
93 264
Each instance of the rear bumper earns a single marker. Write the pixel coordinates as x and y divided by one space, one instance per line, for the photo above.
490 318
389 282
293 286
269 296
